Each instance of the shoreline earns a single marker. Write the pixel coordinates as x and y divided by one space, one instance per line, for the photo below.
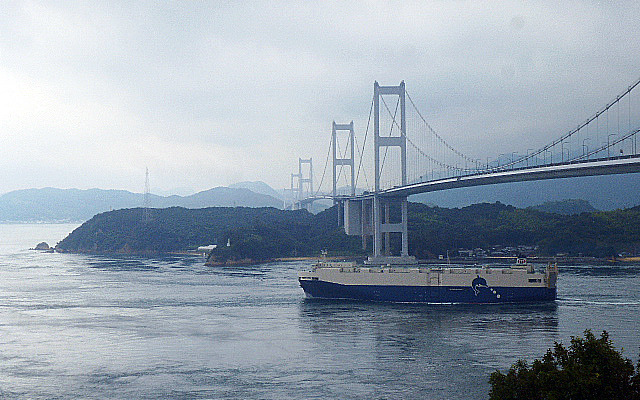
562 261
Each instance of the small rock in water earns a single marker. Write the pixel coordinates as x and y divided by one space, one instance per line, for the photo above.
43 246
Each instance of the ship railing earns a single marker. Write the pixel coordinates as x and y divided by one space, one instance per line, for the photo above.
399 270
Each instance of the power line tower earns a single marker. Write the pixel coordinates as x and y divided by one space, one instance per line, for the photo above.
146 199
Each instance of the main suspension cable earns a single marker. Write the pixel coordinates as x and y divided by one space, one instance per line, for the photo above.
366 133
324 171
458 153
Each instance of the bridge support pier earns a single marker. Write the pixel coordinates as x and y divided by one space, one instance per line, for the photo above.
358 218
367 223
382 219
387 235
390 217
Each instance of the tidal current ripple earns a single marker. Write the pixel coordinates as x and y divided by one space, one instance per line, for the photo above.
95 327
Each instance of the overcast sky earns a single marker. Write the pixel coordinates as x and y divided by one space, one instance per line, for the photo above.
206 94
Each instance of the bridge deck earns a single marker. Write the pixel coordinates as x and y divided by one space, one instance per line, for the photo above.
617 165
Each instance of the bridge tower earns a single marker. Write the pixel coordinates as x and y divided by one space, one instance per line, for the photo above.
349 162
371 215
295 190
303 188
382 225
305 180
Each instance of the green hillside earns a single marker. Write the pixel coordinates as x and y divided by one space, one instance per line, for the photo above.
255 233
434 230
267 233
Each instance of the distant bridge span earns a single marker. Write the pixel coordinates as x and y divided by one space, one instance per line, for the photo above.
410 157
612 166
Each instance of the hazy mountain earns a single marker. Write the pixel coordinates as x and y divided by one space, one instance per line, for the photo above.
51 204
219 197
257 187
565 207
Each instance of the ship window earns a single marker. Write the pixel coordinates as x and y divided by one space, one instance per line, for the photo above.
534 280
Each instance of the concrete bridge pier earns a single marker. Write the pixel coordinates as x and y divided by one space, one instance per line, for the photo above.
380 218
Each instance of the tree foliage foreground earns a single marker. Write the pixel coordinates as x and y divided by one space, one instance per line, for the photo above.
591 368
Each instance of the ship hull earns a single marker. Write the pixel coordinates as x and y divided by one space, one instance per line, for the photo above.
426 294
418 284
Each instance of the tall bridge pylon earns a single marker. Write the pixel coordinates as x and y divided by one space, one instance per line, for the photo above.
374 217
343 160
295 189
302 184
382 224
308 180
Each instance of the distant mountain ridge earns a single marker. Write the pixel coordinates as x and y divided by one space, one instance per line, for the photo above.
64 205
257 187
565 207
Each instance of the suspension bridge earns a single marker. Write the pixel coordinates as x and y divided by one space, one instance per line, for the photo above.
410 157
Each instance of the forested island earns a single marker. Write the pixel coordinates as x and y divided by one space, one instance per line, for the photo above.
256 234
261 234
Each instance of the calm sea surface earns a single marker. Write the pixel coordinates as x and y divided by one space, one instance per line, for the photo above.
95 327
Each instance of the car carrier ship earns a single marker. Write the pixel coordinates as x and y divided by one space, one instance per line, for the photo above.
421 284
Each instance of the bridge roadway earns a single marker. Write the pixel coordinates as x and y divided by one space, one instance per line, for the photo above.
613 165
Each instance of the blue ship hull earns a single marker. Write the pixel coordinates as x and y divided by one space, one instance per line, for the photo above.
426 294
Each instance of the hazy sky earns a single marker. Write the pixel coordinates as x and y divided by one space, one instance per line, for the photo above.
210 93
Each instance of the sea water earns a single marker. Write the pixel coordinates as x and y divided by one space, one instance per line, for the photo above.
122 327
